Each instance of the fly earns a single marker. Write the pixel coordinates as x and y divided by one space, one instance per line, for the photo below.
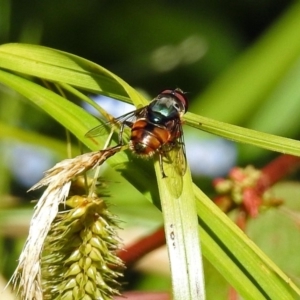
155 129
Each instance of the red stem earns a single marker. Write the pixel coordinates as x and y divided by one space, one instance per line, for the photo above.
136 251
277 169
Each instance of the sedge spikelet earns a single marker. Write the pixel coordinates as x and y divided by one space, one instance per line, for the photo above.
27 278
79 260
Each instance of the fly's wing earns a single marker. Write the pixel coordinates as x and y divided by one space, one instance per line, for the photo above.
177 154
99 130
176 168
128 119
180 158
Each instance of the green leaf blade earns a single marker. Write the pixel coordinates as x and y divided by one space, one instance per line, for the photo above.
181 229
244 135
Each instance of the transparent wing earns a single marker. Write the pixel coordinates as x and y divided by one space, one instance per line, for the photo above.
128 119
180 161
177 153
99 130
177 166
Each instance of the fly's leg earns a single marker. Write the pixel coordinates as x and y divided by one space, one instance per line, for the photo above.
120 136
160 155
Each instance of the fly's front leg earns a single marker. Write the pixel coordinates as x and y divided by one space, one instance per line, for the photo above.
120 136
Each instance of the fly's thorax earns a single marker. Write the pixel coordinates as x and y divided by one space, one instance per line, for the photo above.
168 105
164 109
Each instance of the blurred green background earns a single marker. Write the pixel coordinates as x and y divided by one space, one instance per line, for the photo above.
238 61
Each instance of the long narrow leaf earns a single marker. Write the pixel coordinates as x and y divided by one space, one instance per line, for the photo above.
244 135
181 228
59 66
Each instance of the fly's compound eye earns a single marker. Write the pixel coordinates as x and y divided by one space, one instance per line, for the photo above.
180 96
179 107
183 106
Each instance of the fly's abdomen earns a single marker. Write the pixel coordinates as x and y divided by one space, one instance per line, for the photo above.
147 138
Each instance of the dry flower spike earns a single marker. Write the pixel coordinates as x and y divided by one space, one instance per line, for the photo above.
69 255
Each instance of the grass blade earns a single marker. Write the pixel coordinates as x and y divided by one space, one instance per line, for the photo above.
244 135
181 229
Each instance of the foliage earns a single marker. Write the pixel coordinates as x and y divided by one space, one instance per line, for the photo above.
254 90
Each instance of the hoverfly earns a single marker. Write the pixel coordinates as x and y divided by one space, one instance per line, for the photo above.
155 129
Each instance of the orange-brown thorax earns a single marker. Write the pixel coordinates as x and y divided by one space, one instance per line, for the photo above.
148 138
